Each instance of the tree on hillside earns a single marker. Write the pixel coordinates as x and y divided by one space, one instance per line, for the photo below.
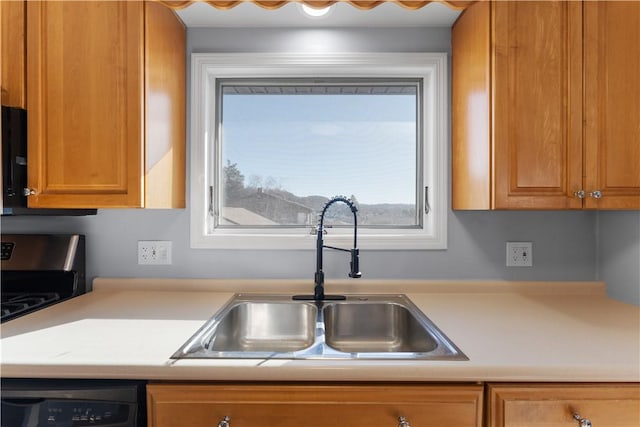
233 181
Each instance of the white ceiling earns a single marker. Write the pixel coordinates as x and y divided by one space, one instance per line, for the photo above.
343 15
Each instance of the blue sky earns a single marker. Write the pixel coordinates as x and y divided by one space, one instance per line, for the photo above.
325 144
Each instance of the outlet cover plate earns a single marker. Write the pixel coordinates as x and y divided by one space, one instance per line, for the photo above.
519 254
154 252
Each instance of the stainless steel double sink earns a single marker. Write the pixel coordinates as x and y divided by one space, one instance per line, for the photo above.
358 327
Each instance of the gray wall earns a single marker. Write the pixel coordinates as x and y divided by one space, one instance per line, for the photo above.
565 242
564 248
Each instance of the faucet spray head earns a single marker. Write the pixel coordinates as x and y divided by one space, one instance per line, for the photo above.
355 264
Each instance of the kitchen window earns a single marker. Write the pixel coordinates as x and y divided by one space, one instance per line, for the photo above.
274 136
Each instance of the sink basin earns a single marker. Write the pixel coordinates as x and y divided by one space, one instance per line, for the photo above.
265 326
254 328
359 327
375 327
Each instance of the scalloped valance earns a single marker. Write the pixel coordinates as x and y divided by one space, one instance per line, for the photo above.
275 4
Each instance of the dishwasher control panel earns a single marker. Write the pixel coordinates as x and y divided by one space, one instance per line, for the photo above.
80 414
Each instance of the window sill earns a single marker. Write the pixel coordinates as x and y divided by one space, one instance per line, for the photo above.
268 241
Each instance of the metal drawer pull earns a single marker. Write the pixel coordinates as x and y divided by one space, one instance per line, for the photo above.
225 422
402 422
583 422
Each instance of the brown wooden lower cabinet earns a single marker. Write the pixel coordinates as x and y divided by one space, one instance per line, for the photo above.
174 404
554 405
314 405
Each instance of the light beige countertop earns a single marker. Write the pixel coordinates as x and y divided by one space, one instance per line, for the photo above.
511 331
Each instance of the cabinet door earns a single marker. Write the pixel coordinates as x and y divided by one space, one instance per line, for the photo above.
471 165
612 107
12 44
537 104
554 405
165 87
85 103
263 405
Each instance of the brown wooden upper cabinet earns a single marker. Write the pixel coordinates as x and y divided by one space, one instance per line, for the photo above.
546 105
12 17
105 105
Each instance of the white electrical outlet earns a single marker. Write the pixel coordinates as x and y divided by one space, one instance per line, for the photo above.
519 254
154 252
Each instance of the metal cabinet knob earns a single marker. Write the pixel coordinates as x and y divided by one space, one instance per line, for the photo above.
225 422
579 194
28 191
582 422
596 194
402 422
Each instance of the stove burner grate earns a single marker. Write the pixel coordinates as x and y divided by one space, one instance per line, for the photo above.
17 304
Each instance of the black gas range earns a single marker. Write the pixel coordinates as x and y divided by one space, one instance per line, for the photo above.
39 270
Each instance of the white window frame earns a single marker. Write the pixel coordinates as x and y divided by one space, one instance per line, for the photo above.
206 68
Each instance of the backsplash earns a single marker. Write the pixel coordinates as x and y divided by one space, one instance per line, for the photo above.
564 248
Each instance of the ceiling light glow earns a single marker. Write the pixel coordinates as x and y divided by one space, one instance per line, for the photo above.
315 13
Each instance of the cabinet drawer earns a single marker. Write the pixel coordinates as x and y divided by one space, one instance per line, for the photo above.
513 405
312 405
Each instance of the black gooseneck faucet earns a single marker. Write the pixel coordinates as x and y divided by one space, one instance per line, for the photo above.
318 290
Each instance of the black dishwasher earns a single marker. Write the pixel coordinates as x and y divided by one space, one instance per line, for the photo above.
72 403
